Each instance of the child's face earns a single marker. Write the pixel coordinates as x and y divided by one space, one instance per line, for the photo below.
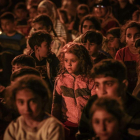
28 104
37 26
108 86
131 35
42 10
16 67
44 50
81 13
32 13
7 26
112 42
105 125
87 25
21 14
92 48
72 63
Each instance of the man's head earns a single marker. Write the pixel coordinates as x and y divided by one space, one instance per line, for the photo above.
21 61
40 42
110 78
92 41
7 21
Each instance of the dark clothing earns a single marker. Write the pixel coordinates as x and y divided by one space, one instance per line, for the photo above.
125 14
132 110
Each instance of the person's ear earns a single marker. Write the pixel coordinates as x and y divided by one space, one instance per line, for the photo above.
125 84
36 48
49 29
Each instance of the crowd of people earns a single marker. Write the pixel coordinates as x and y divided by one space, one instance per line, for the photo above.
70 70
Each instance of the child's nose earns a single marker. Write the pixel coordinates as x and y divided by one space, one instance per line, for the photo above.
103 126
27 107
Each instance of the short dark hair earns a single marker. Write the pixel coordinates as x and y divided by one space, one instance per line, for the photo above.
93 19
24 71
93 37
8 16
21 5
25 60
110 67
38 37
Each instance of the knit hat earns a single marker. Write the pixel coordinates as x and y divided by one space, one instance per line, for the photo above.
115 32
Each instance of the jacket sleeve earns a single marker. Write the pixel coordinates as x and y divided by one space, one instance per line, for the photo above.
57 100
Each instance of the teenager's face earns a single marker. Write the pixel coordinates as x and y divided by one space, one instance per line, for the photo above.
112 42
7 26
37 26
72 63
44 50
105 125
32 13
16 67
100 11
21 14
108 86
132 34
28 104
87 25
92 48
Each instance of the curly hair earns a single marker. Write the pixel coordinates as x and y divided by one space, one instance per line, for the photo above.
81 52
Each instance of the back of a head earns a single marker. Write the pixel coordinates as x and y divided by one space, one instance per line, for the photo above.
110 68
93 37
24 60
38 37
93 19
24 71
8 16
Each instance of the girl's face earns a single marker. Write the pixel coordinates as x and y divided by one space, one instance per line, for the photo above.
87 25
42 10
72 63
100 11
131 35
32 13
28 104
105 125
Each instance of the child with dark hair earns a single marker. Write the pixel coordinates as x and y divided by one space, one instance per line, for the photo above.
110 77
129 54
12 43
73 86
46 61
107 119
29 96
93 43
21 61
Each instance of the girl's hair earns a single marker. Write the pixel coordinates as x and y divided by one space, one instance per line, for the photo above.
81 52
32 82
46 21
129 24
93 19
109 104
83 7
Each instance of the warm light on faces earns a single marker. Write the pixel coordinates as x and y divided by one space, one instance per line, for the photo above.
42 10
87 25
21 14
29 105
105 125
37 26
81 13
108 86
131 35
72 63
16 67
32 13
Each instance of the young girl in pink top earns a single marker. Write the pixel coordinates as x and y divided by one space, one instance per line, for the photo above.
73 86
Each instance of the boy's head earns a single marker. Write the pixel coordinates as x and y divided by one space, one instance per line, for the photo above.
21 10
33 11
42 22
110 78
40 42
92 41
21 61
7 21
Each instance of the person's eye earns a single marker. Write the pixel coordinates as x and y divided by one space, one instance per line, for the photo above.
91 27
96 85
109 120
96 121
20 102
73 60
109 84
92 44
137 36
33 101
129 35
85 26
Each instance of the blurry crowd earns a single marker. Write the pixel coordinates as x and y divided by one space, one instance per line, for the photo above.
69 69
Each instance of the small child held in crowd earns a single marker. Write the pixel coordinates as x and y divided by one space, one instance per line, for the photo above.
73 87
28 95
107 119
93 43
21 61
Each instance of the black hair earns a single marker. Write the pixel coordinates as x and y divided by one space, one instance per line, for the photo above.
25 60
21 5
38 37
8 16
93 37
110 67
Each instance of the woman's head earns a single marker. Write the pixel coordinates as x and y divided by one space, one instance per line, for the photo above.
28 94
130 32
107 117
74 59
89 22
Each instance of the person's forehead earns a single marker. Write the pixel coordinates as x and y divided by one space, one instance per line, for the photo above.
103 78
